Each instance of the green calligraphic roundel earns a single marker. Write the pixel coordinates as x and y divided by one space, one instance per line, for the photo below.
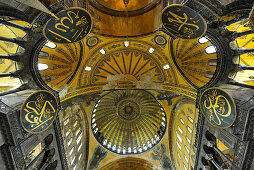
38 111
72 26
183 22
218 107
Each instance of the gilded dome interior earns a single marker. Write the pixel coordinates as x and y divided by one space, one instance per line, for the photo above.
128 121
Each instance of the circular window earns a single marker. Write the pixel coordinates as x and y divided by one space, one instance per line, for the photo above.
128 121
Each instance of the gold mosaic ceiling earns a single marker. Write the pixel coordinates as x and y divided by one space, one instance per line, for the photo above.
128 121
143 60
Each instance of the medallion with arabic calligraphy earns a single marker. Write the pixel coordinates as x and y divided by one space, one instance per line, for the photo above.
38 111
183 22
218 107
72 26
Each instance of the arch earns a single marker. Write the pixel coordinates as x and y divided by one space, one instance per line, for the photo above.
129 164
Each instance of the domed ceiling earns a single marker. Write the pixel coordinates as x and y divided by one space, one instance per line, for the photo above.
134 85
128 121
117 74
58 63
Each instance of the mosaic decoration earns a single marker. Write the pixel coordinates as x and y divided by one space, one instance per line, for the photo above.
133 63
183 22
38 111
218 107
182 126
197 67
98 155
128 121
160 40
129 164
92 41
62 61
159 153
72 26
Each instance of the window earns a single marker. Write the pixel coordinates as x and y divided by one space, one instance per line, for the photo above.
87 68
184 167
68 132
79 138
189 129
186 159
79 147
151 50
102 51
80 156
126 43
165 67
71 151
180 130
187 150
77 131
43 54
179 146
203 40
42 66
181 120
72 160
75 124
66 121
188 140
190 119
69 142
50 44
210 49
74 135
179 137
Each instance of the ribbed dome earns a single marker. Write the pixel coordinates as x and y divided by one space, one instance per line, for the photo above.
128 121
58 63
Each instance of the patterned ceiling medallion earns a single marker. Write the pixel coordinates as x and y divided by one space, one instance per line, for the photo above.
160 40
92 41
128 121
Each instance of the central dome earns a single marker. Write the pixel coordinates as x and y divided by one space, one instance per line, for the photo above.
128 109
128 121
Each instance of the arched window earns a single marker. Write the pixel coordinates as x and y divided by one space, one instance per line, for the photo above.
184 133
210 49
74 135
203 40
10 28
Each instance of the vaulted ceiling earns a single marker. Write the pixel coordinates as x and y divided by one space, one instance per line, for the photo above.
131 70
